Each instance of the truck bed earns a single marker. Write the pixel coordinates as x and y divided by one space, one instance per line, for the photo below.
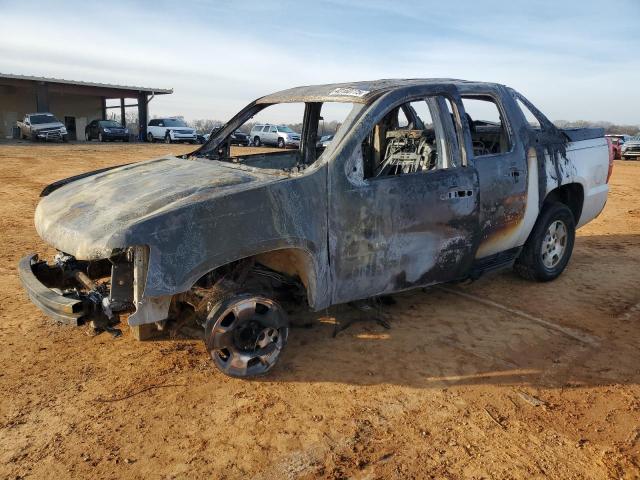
587 133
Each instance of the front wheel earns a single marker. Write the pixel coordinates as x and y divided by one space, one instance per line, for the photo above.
87 137
548 248
256 142
280 143
167 138
100 137
245 334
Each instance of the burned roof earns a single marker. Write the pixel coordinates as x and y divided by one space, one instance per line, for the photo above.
352 92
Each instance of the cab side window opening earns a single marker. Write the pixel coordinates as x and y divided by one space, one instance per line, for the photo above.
407 140
489 133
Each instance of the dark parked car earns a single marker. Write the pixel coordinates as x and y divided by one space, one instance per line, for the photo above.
239 138
236 138
105 130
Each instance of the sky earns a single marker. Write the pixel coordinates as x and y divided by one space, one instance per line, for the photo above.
574 59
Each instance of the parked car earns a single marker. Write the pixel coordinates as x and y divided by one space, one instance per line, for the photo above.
224 240
324 141
631 148
170 130
240 138
276 135
617 141
106 130
42 126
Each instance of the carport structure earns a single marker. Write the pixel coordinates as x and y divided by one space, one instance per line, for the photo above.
75 103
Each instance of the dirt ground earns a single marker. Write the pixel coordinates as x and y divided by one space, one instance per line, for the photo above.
541 383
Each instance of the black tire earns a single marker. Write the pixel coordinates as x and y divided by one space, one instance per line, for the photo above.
256 141
87 136
125 139
245 334
65 139
280 142
100 138
150 138
538 261
167 138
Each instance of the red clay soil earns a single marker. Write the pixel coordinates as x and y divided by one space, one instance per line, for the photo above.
457 388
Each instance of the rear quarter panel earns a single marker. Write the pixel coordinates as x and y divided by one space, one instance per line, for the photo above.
587 163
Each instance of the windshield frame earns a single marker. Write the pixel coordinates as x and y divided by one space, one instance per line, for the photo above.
216 140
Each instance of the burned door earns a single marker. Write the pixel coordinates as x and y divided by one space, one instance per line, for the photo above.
501 162
403 210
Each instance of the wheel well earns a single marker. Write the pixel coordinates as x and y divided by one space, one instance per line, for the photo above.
572 195
293 263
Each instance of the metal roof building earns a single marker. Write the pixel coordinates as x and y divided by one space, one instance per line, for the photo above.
75 103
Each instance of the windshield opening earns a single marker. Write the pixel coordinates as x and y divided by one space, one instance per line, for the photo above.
39 119
276 137
110 124
174 122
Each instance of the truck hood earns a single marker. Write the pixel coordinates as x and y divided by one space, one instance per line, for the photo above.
89 217
46 126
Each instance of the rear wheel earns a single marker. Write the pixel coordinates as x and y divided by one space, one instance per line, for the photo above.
548 248
280 143
150 138
87 136
245 334
256 141
100 137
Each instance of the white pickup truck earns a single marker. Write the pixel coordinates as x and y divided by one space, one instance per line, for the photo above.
426 181
42 126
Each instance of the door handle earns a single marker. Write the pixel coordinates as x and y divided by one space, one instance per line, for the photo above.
514 173
457 192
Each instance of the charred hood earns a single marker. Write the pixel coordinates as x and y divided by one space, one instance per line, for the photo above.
91 215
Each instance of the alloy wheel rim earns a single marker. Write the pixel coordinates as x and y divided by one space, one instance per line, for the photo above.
554 244
248 337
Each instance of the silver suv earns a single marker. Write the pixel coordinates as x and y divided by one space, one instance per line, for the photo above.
278 135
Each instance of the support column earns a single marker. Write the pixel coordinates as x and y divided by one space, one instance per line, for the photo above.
143 115
104 107
123 119
42 97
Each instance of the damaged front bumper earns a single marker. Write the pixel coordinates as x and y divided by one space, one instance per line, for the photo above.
76 292
61 308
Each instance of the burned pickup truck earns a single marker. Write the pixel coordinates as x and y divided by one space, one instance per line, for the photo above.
425 182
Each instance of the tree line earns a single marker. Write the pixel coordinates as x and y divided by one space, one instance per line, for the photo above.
205 125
